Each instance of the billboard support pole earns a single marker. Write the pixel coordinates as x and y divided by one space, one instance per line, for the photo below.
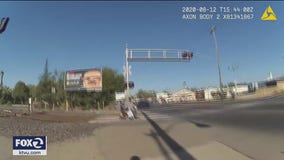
67 105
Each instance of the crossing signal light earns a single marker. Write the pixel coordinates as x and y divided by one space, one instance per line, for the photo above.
3 25
187 55
130 84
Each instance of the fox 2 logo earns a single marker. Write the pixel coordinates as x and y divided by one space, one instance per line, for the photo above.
29 142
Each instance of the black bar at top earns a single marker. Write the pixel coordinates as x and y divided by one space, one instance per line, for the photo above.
151 0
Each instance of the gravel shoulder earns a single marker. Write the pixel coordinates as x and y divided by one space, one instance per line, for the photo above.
66 133
57 126
55 131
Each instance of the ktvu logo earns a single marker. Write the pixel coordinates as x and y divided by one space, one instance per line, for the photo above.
36 143
29 145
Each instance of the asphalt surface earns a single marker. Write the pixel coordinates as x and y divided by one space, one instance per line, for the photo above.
254 128
266 115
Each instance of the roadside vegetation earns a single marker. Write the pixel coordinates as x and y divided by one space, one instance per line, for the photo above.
49 92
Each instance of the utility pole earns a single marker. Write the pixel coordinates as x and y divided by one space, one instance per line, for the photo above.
3 26
213 30
1 84
53 91
233 68
1 77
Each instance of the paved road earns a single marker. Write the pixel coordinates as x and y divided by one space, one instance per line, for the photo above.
254 128
260 115
265 115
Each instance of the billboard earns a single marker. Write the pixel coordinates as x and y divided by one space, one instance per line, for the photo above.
83 80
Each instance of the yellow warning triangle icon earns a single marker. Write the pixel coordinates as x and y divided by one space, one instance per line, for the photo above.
268 15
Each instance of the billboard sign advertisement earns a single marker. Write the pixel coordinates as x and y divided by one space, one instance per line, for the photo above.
83 80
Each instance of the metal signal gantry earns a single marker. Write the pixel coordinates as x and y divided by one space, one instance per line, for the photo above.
158 55
153 55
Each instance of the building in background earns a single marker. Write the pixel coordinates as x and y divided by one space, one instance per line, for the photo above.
183 95
162 97
240 89
209 92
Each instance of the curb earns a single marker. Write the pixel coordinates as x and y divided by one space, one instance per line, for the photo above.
213 150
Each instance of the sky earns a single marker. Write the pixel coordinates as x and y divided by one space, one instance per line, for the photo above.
92 34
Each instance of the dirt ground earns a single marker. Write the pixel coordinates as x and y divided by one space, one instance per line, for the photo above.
60 116
72 116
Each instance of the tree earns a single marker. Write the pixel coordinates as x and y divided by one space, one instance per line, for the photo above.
21 92
46 75
194 89
60 94
43 89
112 82
145 94
6 97
231 84
32 89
